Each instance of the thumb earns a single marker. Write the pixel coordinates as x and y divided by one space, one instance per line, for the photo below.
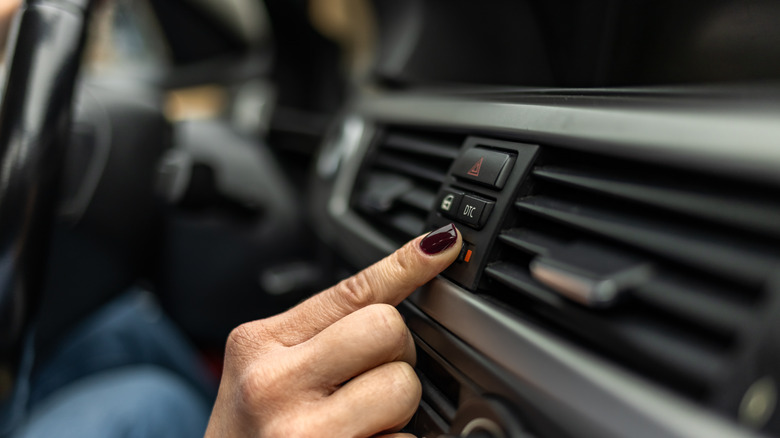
388 281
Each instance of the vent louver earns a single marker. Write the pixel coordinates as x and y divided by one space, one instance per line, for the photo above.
706 248
397 188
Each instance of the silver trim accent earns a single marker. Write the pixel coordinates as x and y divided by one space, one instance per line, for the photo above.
584 290
353 149
485 424
759 402
580 387
588 291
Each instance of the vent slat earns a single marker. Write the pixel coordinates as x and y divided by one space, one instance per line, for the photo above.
704 303
708 244
517 278
397 186
701 304
714 253
421 199
410 168
638 340
718 207
529 241
685 359
409 224
420 146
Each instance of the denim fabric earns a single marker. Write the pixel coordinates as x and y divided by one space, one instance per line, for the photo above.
124 372
131 330
131 402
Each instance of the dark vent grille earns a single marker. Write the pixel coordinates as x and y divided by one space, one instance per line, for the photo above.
699 250
397 189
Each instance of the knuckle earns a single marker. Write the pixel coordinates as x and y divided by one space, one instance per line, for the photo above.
240 341
356 291
408 266
405 260
248 340
389 325
406 263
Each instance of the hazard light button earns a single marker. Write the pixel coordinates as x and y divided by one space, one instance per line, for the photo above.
484 166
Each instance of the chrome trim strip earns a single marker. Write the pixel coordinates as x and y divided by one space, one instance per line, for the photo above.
352 150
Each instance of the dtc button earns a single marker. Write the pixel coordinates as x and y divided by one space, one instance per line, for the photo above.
474 211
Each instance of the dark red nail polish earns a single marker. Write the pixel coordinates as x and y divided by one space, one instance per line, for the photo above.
439 240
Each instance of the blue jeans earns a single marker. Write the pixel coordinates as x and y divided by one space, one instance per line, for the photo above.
125 372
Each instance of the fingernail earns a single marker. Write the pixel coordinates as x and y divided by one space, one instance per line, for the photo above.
438 240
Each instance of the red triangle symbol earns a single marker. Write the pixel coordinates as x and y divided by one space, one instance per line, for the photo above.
475 168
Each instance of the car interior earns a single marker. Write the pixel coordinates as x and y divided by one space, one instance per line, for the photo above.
613 167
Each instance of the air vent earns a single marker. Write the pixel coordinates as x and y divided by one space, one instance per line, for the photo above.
660 269
397 187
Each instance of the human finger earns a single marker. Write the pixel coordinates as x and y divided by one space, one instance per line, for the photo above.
362 340
388 281
381 400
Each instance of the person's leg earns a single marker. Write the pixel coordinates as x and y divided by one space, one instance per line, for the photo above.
131 330
131 402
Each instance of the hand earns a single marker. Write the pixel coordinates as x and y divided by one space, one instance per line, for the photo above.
337 365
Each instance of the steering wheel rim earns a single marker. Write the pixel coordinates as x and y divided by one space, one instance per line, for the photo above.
45 48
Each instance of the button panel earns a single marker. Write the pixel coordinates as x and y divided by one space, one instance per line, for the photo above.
484 166
479 202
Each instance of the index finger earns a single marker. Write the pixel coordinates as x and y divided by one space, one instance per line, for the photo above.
388 281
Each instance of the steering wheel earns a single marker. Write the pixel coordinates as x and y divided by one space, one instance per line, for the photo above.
45 51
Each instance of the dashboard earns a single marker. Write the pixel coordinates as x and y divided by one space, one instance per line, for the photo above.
619 271
613 168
